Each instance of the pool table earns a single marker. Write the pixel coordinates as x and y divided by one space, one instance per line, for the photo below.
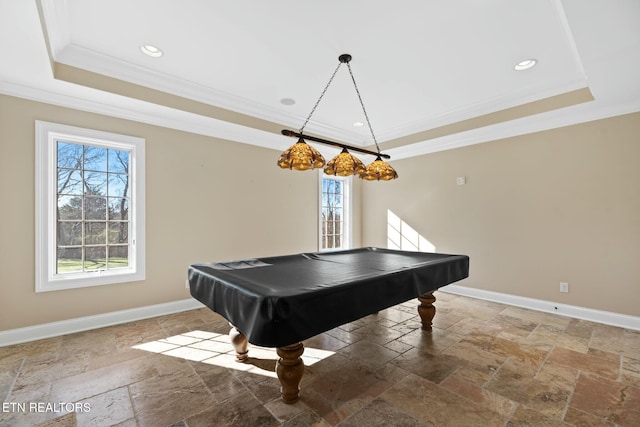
280 301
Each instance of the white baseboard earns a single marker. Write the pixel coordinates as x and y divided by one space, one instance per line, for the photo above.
54 329
598 316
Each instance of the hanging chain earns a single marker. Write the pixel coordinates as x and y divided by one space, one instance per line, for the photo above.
364 110
321 95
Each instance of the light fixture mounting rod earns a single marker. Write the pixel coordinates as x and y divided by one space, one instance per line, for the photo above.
287 132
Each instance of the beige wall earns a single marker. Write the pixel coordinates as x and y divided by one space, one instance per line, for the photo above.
206 199
562 205
559 205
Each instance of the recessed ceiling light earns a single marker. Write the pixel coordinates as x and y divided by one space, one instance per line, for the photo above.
151 50
525 65
287 101
358 124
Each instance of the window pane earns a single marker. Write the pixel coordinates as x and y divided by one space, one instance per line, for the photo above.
69 233
325 200
95 158
95 208
95 183
70 181
337 200
69 155
333 208
95 258
69 207
118 185
118 208
69 260
118 256
90 215
118 161
118 232
330 185
95 233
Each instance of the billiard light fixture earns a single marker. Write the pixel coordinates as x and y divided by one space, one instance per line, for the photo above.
302 156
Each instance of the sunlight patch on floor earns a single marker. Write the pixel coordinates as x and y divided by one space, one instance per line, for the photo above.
215 349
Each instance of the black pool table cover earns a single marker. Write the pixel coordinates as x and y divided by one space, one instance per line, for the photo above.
280 300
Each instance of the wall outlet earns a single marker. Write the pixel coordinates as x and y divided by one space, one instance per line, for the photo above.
564 287
186 283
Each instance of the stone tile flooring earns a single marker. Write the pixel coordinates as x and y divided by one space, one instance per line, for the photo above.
484 364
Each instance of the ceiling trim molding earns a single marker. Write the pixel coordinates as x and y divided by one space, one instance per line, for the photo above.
56 23
564 23
193 123
581 113
85 59
64 51
173 119
90 60
520 111
496 104
95 62
182 114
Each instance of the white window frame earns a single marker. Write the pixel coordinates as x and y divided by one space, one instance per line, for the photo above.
347 213
47 135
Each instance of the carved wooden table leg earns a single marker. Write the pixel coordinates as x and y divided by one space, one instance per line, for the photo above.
426 310
240 343
290 369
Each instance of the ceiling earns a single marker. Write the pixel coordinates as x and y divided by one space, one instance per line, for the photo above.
432 75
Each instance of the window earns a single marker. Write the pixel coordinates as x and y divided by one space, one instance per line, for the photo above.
89 207
335 220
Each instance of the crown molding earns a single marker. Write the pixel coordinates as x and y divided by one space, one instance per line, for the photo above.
154 115
86 59
567 116
90 60
564 24
55 16
496 104
188 122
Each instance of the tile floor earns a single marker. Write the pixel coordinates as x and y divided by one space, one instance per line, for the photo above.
484 364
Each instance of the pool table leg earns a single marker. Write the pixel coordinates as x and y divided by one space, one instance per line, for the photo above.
426 310
239 342
290 368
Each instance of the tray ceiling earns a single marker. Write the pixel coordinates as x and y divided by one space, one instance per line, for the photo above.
433 75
